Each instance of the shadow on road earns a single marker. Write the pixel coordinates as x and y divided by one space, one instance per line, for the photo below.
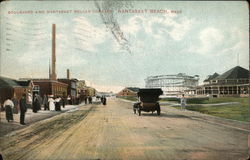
164 115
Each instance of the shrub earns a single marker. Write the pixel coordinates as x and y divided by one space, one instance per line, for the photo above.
197 100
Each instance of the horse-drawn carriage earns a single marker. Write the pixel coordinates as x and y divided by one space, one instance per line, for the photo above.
148 101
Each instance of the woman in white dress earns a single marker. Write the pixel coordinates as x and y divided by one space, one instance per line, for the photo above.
51 103
8 105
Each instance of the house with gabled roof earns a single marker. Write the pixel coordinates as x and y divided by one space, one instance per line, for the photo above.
210 77
10 87
128 91
234 82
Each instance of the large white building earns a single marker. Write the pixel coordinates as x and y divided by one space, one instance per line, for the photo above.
173 85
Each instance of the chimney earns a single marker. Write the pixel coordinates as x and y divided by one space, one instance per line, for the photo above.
53 74
49 70
68 74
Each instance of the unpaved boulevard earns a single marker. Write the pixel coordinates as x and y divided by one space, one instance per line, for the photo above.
114 132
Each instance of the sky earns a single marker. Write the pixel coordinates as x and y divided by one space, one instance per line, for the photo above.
197 38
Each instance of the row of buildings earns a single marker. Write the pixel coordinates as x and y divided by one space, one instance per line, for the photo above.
234 82
58 87
65 87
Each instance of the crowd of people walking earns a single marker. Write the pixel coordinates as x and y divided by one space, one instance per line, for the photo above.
36 103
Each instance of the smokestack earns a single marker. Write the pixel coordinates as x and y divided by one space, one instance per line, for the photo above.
68 75
49 70
53 74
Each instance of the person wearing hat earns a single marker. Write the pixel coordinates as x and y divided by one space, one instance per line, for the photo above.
183 102
51 103
8 105
29 99
36 104
23 108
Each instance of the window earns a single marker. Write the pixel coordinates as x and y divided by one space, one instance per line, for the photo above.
36 88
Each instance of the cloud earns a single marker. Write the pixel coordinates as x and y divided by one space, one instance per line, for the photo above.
87 35
180 29
209 39
158 26
133 25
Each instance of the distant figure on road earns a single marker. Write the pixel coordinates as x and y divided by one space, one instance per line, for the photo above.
8 105
40 101
58 104
36 104
70 100
104 100
183 102
97 98
64 99
23 109
45 102
51 103
29 100
86 100
90 100
15 102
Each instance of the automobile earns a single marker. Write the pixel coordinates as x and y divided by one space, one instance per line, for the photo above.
148 100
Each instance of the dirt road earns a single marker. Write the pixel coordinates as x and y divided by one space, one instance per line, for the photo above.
114 132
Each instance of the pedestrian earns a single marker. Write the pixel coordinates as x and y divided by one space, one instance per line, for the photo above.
183 102
64 99
40 99
63 102
45 102
90 100
51 103
8 105
36 104
58 104
15 102
29 100
23 109
68 99
104 100
85 99
78 100
97 98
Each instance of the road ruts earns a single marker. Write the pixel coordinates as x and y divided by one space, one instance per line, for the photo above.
114 132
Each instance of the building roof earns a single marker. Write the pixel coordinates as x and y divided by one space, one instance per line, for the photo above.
24 83
66 79
210 77
234 73
134 89
8 82
35 81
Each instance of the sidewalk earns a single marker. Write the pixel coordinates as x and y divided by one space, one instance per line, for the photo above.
30 117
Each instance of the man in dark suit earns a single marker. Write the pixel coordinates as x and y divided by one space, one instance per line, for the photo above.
23 109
